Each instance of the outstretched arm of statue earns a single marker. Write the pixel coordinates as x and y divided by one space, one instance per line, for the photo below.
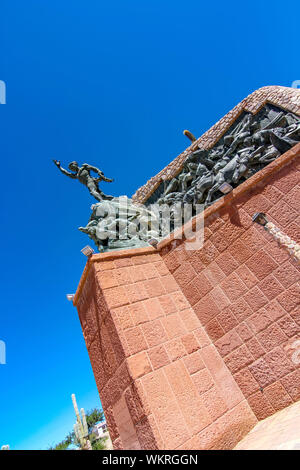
65 172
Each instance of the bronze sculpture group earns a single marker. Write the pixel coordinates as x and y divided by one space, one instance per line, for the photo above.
251 143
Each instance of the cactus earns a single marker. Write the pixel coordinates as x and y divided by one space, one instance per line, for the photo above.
79 436
84 423
80 427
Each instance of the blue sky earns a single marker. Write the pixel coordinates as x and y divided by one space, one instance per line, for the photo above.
112 84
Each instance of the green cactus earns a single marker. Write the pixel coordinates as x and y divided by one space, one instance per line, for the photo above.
80 427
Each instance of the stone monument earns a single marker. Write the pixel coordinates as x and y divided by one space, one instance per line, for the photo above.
190 348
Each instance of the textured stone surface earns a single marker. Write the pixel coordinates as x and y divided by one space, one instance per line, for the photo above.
251 312
200 343
154 364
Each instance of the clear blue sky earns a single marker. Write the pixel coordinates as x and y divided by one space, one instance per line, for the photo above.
112 84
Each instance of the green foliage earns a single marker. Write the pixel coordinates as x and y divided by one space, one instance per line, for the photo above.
93 417
63 445
99 444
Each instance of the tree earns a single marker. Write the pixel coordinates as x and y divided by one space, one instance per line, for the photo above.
94 416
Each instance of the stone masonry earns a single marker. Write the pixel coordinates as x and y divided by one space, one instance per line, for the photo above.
191 348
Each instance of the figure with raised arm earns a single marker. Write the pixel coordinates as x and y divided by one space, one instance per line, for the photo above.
83 174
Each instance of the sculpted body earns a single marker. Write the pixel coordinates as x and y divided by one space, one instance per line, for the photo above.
83 174
251 144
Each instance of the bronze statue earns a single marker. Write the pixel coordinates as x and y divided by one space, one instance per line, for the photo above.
251 143
83 174
248 146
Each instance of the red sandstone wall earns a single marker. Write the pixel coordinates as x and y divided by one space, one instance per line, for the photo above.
190 348
245 290
150 353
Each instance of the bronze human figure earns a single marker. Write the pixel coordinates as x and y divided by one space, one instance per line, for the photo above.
83 174
246 148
